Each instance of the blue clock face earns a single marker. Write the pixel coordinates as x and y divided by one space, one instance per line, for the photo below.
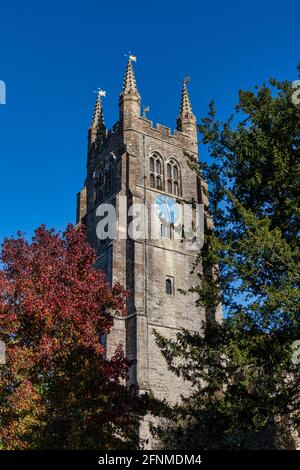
167 209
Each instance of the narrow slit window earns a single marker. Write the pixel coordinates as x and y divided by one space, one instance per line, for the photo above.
169 286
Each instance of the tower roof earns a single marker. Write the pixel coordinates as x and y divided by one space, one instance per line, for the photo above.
185 105
129 83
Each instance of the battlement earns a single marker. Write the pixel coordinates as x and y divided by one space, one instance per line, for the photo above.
165 133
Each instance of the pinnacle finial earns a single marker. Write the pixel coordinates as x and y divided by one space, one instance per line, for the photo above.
185 105
98 117
129 83
97 130
186 121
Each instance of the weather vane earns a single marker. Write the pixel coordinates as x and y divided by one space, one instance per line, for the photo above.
186 79
100 92
146 110
131 57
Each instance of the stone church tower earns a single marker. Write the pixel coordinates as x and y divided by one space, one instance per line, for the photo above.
143 163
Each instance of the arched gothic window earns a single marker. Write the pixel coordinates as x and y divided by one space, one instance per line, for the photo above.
173 175
106 179
156 172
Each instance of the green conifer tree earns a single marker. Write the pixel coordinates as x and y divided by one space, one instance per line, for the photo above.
245 370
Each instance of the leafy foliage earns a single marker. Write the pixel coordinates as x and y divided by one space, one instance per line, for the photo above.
57 388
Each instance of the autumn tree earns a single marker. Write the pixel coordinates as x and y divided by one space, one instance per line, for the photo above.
57 389
245 371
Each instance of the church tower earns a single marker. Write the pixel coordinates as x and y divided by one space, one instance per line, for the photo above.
144 166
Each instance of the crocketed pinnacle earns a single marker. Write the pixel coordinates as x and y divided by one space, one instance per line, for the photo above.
185 105
98 117
129 83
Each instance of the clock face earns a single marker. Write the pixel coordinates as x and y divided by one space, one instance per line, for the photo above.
167 209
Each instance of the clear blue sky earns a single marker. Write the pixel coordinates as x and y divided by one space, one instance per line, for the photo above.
54 54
